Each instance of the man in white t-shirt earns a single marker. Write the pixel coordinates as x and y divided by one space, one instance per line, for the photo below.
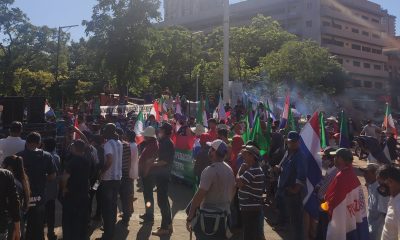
389 185
111 175
12 144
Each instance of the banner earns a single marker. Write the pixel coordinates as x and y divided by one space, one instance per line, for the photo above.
183 166
125 109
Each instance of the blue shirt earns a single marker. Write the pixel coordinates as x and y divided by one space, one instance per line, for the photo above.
294 170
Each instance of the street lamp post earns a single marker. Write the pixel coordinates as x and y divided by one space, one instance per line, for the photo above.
225 85
58 57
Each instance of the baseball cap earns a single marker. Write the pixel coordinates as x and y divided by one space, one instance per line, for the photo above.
219 146
293 136
252 150
344 153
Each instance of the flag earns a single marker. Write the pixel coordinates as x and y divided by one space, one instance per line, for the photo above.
269 130
48 111
139 128
154 111
75 136
285 114
201 117
221 109
388 122
310 146
344 141
246 133
322 130
347 208
291 124
178 108
258 137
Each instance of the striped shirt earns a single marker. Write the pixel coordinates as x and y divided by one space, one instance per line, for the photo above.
126 159
251 194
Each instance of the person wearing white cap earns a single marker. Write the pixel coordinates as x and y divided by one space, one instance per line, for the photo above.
146 162
215 194
377 204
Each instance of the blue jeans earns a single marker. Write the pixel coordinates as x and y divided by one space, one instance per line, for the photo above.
295 212
109 192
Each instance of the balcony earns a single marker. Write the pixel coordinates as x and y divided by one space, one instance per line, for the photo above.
353 36
356 53
327 12
365 71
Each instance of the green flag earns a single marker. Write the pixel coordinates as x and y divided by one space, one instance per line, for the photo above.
322 130
246 133
291 125
269 130
258 136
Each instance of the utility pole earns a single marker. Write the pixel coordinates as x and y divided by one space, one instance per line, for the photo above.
191 55
225 85
58 58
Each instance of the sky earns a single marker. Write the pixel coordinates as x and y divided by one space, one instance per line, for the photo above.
55 13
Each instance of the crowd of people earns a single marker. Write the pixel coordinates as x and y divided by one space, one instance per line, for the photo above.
103 157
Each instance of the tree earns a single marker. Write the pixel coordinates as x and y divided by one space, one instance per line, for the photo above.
305 64
119 30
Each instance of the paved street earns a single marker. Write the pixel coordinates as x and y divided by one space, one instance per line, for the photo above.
180 195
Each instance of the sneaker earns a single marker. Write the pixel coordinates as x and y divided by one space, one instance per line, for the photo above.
162 232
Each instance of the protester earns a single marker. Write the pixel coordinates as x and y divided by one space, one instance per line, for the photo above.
16 166
291 187
251 183
212 128
126 187
162 168
389 185
146 161
111 175
391 143
222 134
214 196
371 130
9 206
197 131
202 160
328 163
151 122
40 168
49 145
345 201
12 144
237 143
377 204
75 186
97 142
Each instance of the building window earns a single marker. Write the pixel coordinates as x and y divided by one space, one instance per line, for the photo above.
365 17
365 33
338 26
309 24
332 42
375 20
357 83
326 24
376 51
366 49
377 67
378 85
375 36
368 84
355 30
367 65
356 46
356 64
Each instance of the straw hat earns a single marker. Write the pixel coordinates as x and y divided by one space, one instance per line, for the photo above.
198 130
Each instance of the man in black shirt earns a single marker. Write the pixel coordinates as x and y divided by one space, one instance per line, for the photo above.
75 189
39 167
9 205
162 172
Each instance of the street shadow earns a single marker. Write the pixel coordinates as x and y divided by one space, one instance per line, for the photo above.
144 232
180 195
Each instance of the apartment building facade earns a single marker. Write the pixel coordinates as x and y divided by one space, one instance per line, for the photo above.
355 31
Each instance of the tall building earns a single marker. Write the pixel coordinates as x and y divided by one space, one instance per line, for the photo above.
355 31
